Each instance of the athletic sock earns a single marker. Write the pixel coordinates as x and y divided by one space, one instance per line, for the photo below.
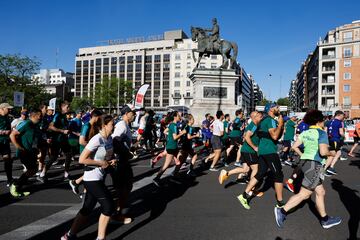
325 218
280 203
246 195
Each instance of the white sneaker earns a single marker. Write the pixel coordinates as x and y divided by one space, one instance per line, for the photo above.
343 158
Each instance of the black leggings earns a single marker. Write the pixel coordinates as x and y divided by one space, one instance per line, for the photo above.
271 161
55 150
97 192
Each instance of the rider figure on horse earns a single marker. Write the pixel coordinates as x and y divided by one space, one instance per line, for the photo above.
214 36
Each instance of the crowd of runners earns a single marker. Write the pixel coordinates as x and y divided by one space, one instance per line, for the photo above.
258 146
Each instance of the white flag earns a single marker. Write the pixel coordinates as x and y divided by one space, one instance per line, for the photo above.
139 98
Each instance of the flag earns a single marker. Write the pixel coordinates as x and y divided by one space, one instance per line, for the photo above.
139 98
19 99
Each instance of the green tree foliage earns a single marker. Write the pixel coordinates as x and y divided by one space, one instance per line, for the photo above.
106 92
263 102
283 101
15 75
79 103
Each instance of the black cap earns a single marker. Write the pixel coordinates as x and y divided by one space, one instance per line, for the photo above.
126 109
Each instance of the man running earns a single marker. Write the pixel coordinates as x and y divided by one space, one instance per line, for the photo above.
25 138
269 132
249 150
5 151
236 135
289 134
315 149
335 129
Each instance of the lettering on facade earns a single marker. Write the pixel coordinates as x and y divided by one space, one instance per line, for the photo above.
136 39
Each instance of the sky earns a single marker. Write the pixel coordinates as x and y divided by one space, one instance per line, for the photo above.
274 37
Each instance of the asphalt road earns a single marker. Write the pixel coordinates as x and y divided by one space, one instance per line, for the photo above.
189 208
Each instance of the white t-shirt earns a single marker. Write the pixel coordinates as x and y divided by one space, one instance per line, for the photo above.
142 122
218 127
101 150
121 129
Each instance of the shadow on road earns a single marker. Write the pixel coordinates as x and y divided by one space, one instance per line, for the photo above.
351 202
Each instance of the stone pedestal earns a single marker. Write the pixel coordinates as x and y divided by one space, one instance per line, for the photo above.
214 89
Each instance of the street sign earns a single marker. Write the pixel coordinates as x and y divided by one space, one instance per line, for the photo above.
52 104
19 99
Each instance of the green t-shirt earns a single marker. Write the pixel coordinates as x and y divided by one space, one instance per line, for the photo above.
311 140
171 143
85 130
226 126
29 133
246 148
289 130
267 145
60 122
236 126
5 125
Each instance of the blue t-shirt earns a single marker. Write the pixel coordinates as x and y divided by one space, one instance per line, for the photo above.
75 126
333 129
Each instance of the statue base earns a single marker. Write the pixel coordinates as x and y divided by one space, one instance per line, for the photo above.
214 89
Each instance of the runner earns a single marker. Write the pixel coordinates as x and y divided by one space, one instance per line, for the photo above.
335 130
88 130
205 130
97 157
17 121
5 151
236 134
59 128
171 145
216 143
269 132
75 126
289 134
225 139
356 139
44 139
25 139
249 151
315 148
122 174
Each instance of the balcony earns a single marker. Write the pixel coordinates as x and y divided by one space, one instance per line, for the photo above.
328 92
187 96
328 68
328 57
176 96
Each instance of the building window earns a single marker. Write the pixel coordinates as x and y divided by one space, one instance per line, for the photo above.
213 65
347 76
188 65
177 57
347 100
166 66
213 56
347 88
348 36
347 63
347 52
188 74
202 65
177 65
188 56
166 57
188 83
188 94
176 102
177 74
177 83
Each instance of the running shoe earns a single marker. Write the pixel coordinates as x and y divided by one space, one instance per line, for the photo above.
38 173
121 219
157 182
244 202
15 193
213 169
288 162
223 176
237 164
331 171
289 186
343 158
74 187
242 180
41 179
191 173
332 221
279 217
68 237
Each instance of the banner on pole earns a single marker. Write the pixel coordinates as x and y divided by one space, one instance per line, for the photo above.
52 104
19 99
139 98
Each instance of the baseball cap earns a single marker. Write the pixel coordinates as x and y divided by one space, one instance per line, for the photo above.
5 105
269 106
126 109
291 115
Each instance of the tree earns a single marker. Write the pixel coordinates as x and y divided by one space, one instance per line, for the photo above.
106 93
78 103
15 75
283 101
263 102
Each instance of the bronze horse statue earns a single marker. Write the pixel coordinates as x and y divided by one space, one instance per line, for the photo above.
224 48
